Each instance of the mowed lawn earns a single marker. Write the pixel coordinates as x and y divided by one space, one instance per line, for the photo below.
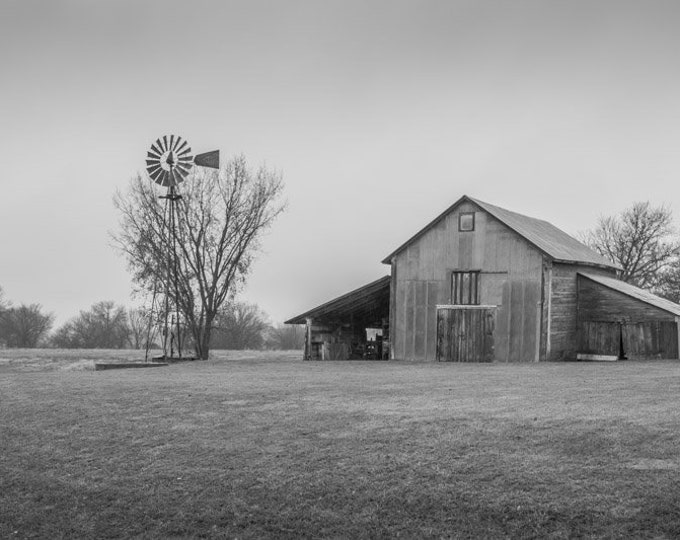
273 447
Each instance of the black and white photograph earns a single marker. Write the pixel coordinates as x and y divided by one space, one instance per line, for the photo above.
340 269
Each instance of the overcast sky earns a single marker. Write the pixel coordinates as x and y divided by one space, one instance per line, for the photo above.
379 115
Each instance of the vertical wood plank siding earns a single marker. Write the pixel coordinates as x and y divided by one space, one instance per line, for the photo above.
599 303
563 309
609 318
465 335
510 278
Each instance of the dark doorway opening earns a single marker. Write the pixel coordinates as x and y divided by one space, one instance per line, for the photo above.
622 351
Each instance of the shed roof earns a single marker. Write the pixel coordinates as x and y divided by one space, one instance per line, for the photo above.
362 303
543 235
634 292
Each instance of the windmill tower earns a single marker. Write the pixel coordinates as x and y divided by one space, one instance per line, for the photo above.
168 163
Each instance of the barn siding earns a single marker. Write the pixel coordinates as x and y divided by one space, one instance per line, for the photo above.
609 319
563 289
510 279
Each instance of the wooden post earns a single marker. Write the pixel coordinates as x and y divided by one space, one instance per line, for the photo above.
393 309
308 339
548 337
677 327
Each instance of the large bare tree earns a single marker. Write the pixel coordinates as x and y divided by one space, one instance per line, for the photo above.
641 239
220 219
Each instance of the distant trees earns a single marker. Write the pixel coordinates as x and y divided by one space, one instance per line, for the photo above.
642 239
106 325
24 326
245 326
239 326
103 326
220 218
286 337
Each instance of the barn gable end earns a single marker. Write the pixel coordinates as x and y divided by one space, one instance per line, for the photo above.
509 274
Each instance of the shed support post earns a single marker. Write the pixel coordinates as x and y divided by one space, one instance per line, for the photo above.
548 325
677 326
308 339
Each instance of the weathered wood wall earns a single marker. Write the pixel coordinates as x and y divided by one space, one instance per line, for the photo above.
561 307
651 339
465 334
609 319
599 303
511 278
636 340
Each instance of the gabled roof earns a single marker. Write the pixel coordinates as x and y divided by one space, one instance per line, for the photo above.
635 292
547 238
363 302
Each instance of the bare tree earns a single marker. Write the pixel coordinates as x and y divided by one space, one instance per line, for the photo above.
4 303
668 283
24 326
138 324
640 239
103 326
220 219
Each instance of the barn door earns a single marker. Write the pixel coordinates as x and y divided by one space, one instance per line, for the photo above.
465 334
650 339
599 337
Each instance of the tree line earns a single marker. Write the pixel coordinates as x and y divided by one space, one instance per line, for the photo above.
107 325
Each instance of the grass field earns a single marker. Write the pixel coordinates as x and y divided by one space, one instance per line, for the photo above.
253 446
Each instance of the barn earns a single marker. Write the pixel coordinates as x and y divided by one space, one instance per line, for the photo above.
480 283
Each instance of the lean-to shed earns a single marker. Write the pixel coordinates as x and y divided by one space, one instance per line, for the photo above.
352 326
623 321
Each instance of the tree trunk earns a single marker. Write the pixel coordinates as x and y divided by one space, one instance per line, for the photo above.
203 342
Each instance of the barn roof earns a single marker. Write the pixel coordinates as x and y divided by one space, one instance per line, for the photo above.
543 235
362 303
635 292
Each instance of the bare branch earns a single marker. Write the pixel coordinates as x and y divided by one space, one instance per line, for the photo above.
641 239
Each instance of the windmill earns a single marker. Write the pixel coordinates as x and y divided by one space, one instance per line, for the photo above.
168 163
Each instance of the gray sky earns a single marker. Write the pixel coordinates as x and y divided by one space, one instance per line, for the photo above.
379 114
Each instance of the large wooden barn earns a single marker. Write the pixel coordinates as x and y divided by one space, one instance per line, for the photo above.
479 284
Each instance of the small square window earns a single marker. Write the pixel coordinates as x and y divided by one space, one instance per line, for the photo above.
466 221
